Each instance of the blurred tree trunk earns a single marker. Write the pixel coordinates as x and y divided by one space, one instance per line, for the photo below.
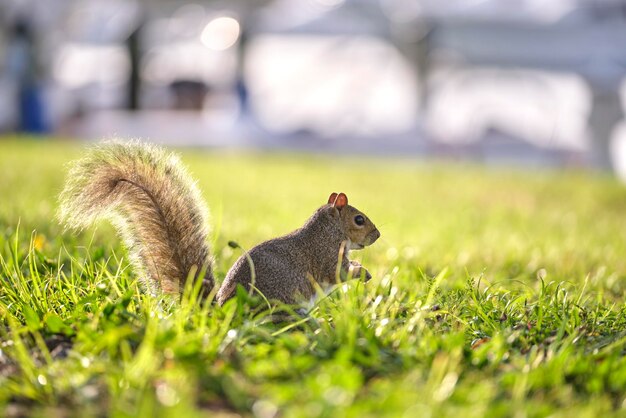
133 44
606 113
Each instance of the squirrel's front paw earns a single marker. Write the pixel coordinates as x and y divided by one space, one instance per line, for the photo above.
359 271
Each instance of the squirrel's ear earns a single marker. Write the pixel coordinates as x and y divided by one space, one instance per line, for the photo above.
332 198
341 201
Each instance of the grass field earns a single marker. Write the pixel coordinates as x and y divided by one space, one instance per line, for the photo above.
495 293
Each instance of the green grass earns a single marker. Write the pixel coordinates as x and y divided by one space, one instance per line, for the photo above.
495 293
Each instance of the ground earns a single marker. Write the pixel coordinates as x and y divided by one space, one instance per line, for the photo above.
496 292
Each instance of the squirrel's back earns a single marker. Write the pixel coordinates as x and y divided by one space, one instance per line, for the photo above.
153 203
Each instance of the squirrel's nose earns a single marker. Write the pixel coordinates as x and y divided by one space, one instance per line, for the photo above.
373 236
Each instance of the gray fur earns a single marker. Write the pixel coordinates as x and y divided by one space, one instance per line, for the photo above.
286 267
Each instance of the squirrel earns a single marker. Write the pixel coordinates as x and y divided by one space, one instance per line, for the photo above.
156 208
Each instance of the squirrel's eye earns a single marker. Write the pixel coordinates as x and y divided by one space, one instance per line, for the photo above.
359 220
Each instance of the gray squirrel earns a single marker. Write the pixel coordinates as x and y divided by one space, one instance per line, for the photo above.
156 208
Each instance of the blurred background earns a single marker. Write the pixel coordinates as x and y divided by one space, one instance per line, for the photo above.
533 83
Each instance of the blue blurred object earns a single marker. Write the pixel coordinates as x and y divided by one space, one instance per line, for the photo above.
32 115
23 68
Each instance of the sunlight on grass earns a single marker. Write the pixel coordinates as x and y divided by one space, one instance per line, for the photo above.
495 293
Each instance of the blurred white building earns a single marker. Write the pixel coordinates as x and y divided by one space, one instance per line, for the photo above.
427 76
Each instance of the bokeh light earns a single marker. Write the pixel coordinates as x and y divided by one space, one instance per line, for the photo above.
220 33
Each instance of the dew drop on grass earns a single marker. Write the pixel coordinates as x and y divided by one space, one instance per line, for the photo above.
392 254
264 409
166 394
90 392
336 395
408 253
447 387
381 327
42 380
385 281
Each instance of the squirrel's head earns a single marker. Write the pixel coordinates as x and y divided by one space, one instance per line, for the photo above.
358 228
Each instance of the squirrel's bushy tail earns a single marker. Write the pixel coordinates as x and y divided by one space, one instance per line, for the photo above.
153 203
